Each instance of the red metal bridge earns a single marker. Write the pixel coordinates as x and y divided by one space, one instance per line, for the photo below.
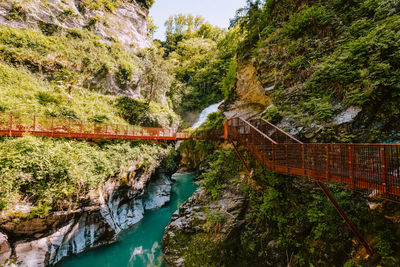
16 125
367 168
373 169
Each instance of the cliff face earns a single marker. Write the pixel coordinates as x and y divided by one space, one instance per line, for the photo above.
125 23
110 210
251 98
77 43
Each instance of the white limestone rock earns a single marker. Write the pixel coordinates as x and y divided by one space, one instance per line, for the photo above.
5 249
347 116
158 193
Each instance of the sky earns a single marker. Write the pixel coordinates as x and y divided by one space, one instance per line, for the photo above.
216 12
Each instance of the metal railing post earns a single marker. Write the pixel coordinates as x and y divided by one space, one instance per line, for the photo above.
303 163
327 162
351 167
226 130
273 156
52 126
384 170
11 124
286 158
34 123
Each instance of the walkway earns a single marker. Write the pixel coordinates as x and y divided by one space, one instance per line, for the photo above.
369 168
15 125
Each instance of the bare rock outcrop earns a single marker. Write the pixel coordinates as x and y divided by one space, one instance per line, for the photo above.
251 95
127 23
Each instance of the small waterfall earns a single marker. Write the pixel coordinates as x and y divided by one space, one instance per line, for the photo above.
203 116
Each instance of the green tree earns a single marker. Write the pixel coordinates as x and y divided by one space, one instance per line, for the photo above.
197 68
156 76
151 27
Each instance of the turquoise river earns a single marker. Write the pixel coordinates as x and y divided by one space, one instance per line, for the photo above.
141 246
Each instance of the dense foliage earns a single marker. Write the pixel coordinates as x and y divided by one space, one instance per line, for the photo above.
73 57
137 112
72 74
288 221
325 56
55 174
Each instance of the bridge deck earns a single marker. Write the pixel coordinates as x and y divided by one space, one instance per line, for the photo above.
16 125
368 168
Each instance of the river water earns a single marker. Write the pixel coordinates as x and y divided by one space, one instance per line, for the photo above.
140 246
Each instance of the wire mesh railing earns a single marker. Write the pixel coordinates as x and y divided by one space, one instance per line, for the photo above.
369 168
273 131
37 125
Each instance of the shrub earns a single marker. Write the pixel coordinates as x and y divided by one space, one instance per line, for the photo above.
52 173
17 12
134 111
147 114
214 121
310 20
46 98
124 74
223 165
229 81
49 28
273 115
99 118
385 240
319 108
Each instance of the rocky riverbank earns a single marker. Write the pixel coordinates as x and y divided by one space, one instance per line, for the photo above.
204 226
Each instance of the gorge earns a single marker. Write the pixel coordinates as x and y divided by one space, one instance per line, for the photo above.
323 71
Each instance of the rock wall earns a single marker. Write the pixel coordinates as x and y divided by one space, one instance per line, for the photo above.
114 208
127 24
252 98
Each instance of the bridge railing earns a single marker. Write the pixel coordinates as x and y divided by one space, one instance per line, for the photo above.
368 168
273 131
18 124
256 141
211 134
